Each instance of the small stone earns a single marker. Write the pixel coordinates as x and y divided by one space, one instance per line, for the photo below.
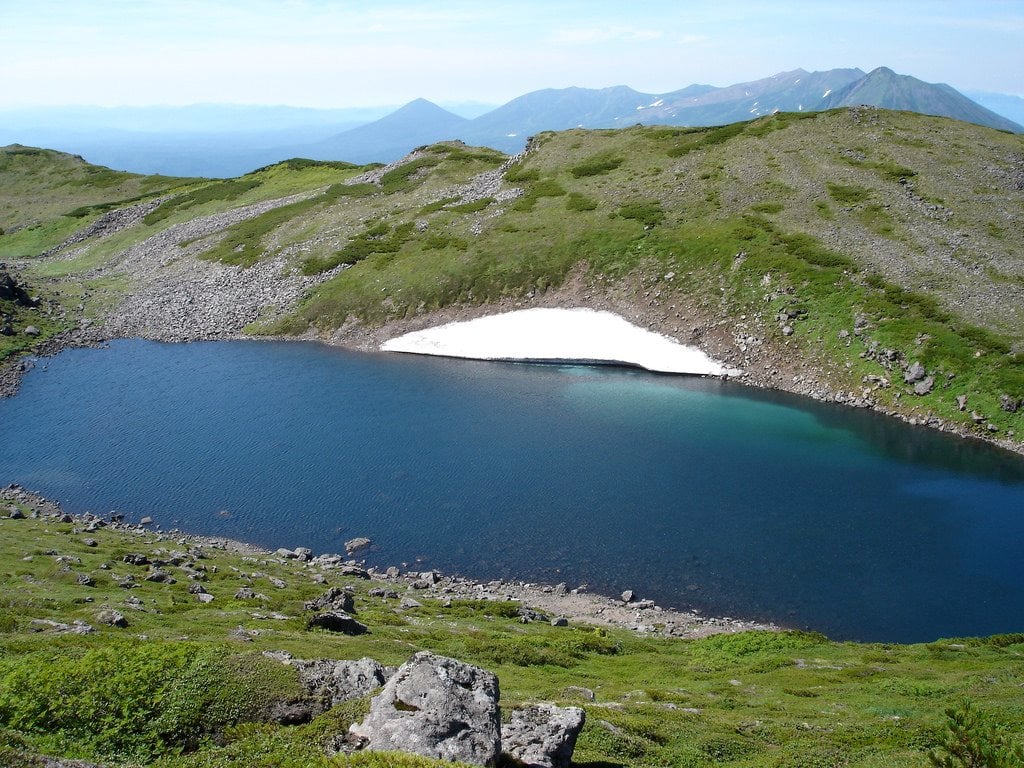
408 602
31 330
196 588
146 521
560 621
204 597
245 593
287 553
628 596
90 542
961 402
136 559
85 580
1009 404
16 514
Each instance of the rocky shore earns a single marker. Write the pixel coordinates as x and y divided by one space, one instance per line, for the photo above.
557 603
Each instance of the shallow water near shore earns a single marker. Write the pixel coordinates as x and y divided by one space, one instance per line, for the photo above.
692 492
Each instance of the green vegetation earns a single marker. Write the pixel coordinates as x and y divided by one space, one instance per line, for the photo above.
749 699
597 165
847 194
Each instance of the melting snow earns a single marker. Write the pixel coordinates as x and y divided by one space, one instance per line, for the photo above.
657 103
826 93
511 135
558 335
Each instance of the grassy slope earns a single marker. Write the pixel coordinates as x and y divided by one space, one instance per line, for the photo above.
753 699
905 220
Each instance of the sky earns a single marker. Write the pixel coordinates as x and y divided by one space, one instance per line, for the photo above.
337 53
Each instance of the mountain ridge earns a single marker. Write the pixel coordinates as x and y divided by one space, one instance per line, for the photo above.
189 152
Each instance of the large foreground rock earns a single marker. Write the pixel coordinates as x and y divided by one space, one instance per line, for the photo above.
542 736
436 707
331 682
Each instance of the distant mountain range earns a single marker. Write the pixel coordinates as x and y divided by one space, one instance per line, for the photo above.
228 141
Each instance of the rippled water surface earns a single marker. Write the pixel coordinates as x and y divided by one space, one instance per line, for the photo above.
695 493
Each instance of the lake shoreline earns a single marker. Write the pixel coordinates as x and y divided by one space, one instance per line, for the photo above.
367 339
576 605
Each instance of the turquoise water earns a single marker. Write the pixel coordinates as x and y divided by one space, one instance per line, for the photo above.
696 493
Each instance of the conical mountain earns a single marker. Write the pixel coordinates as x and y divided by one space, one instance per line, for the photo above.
884 88
417 123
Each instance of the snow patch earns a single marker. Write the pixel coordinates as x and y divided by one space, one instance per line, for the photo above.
559 335
826 93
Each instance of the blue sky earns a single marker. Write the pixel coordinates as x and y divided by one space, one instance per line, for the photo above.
337 53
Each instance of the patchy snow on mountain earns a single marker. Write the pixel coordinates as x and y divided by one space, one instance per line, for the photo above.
559 335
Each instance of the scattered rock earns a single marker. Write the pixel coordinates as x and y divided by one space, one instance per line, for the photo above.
628 596
146 521
16 514
204 597
59 628
542 736
528 614
334 599
381 592
337 621
961 402
31 330
924 386
136 559
560 621
85 580
1009 404
161 577
436 707
914 373
90 542
408 602
112 618
583 693
245 593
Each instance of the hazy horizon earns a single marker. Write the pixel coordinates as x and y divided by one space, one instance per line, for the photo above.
336 54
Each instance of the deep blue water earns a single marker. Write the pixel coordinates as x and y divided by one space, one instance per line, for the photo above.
696 493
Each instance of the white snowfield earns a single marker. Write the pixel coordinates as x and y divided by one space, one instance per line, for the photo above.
559 335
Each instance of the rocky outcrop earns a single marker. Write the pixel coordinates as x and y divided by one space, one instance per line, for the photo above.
543 735
436 707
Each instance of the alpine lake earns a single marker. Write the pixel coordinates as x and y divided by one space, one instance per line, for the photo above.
696 493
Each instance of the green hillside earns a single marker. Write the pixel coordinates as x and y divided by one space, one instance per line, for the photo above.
820 252
183 683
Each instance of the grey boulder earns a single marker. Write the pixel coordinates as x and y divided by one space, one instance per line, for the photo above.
436 707
337 621
542 736
331 682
